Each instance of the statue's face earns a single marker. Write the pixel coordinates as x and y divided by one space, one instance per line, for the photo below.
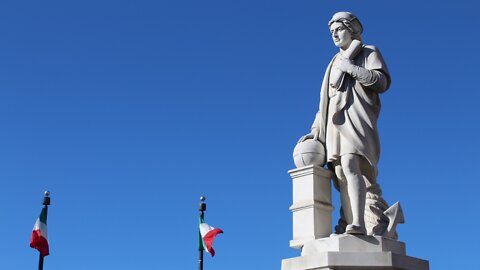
341 35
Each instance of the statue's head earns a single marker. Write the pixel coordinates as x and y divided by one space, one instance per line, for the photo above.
345 27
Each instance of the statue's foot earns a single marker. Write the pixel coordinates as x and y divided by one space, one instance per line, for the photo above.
355 229
339 229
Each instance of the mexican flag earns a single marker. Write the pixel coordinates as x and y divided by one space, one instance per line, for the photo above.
207 235
39 238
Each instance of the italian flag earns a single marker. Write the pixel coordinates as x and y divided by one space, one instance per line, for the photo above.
207 235
39 238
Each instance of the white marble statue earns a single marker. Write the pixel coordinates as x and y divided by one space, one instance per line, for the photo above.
346 124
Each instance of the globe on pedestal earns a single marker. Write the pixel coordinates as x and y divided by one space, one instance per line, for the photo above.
309 152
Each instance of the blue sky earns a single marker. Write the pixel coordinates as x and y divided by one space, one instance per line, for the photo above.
129 111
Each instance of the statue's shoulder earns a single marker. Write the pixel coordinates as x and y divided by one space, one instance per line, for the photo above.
371 52
370 48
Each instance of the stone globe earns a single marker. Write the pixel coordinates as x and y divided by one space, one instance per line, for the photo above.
309 152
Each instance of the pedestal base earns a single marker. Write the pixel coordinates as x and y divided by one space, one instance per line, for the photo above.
347 252
312 204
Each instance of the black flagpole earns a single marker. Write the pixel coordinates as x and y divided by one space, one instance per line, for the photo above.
46 203
202 207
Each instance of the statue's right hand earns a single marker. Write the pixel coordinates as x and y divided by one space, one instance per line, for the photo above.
312 135
305 137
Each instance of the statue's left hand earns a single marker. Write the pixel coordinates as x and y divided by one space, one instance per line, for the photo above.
344 65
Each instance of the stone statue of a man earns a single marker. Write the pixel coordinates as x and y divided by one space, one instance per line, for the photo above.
346 124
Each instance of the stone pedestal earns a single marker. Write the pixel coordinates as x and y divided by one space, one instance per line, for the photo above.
312 204
312 228
348 252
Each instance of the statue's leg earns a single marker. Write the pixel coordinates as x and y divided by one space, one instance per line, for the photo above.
375 221
351 166
345 210
340 183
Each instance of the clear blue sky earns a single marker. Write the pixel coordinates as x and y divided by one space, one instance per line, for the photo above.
128 111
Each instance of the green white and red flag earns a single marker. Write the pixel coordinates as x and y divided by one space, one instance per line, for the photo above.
207 235
39 238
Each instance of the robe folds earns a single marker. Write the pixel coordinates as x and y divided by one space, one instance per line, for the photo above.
353 111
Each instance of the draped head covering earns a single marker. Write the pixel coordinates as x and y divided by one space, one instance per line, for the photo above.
351 22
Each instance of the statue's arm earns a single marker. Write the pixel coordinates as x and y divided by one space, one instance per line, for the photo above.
316 122
317 131
373 79
373 75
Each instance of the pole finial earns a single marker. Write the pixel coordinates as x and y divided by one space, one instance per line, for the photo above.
203 206
46 198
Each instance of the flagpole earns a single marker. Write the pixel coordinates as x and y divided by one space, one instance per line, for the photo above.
46 203
201 208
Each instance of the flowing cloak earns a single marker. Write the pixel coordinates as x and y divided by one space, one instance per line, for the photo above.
357 106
